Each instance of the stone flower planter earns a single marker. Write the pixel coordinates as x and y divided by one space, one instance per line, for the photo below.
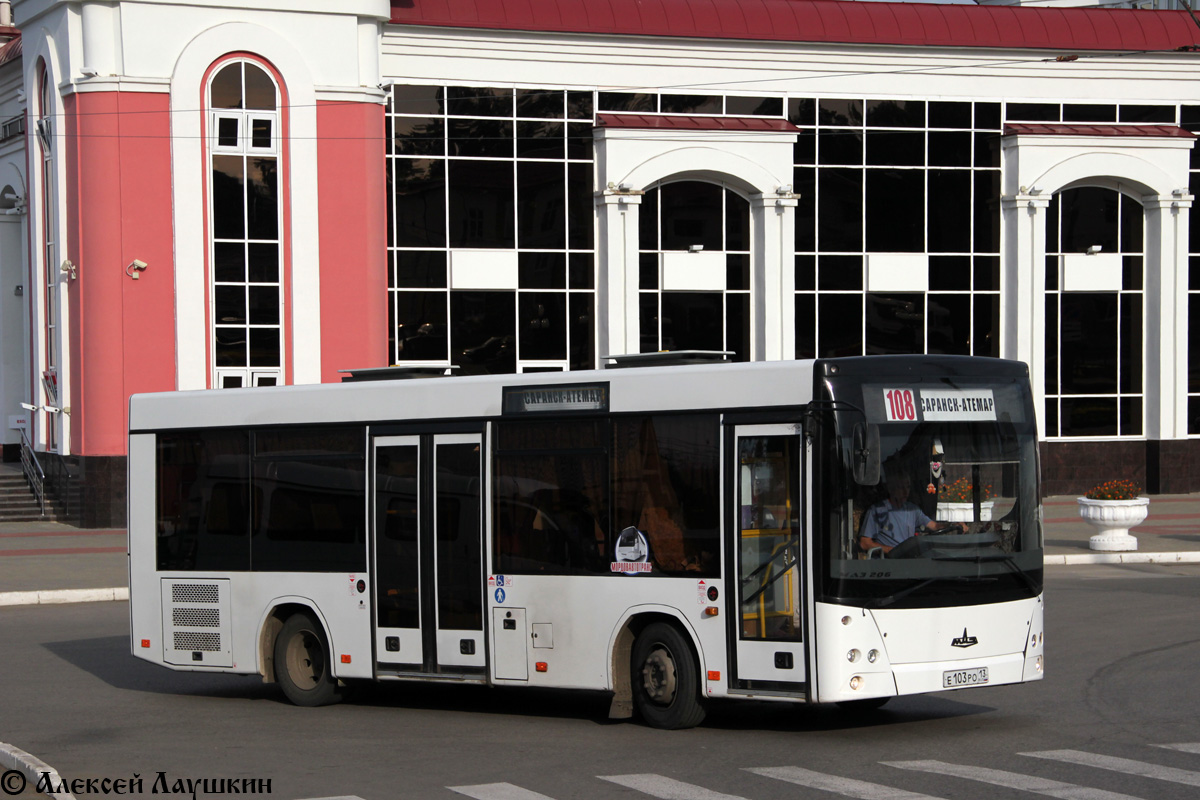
1112 520
964 512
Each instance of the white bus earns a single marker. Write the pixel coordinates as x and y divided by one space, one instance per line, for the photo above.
670 534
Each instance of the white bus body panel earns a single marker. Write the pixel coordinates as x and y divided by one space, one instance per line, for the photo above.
580 618
917 647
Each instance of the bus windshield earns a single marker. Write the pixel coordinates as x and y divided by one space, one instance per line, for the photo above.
954 518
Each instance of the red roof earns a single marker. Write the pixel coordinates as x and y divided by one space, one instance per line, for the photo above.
10 50
1062 129
687 123
919 24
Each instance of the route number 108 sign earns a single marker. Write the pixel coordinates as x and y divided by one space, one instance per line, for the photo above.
901 405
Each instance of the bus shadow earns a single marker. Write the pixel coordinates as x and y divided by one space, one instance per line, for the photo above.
108 658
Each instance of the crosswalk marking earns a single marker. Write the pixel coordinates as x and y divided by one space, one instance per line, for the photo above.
666 788
498 791
1185 747
1011 780
846 787
1125 765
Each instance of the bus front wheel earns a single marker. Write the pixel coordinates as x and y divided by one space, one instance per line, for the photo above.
665 679
302 664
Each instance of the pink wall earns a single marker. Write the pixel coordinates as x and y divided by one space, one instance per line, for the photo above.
353 216
118 208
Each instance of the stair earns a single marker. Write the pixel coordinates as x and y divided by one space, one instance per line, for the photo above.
17 501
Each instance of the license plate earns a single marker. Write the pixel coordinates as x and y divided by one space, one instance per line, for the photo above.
958 678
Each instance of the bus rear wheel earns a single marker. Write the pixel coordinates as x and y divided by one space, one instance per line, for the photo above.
302 664
665 677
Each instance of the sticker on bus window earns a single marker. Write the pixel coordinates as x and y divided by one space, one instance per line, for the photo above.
632 552
958 405
900 405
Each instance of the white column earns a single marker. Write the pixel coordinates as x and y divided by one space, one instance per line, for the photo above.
617 288
1023 288
773 277
1166 304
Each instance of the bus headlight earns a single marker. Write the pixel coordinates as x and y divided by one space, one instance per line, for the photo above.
856 682
873 656
853 656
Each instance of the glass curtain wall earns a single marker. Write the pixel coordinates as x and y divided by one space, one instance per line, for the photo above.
1094 340
888 177
476 168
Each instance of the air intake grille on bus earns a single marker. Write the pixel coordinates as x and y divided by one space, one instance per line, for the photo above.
191 640
193 593
196 617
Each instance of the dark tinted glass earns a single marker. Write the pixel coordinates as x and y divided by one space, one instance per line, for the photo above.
229 345
581 325
690 104
1032 112
481 203
987 116
1088 216
840 147
459 537
420 326
581 271
737 222
986 335
1131 343
483 332
542 270
840 213
948 324
420 269
1134 113
802 111
418 136
949 115
263 302
264 347
737 326
202 500
473 101
628 101
229 262
581 208
225 91
229 197
839 112
264 262
420 202
949 211
397 527
418 99
806 338
541 211
1091 352
692 321
579 105
987 211
541 140
1089 112
544 103
841 325
262 210
543 320
895 211
839 272
804 184
895 114
806 273
949 148
895 148
230 305
691 214
1088 416
949 272
895 323
754 106
480 138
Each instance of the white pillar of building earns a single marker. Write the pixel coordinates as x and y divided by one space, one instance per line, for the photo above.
773 276
1166 293
617 281
1023 287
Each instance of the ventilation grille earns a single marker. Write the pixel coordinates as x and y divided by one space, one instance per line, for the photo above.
194 593
193 640
196 622
196 617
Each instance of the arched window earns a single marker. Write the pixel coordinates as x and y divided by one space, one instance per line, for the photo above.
694 260
1094 340
245 226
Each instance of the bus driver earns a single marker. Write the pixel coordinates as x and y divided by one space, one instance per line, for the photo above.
895 519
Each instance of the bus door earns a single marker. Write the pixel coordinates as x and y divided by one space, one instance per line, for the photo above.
427 535
768 556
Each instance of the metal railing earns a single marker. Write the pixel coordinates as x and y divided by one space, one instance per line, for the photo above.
33 471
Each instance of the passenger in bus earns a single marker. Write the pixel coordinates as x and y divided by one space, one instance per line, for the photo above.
895 518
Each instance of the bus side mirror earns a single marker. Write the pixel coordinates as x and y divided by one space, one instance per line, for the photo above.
866 453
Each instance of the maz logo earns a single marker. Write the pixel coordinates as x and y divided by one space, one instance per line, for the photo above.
964 640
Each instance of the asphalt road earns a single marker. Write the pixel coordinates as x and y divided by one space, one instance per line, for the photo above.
1122 642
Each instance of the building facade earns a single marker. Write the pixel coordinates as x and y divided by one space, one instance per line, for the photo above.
255 194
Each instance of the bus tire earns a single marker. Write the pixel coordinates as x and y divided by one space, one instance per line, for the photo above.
864 705
665 678
302 664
